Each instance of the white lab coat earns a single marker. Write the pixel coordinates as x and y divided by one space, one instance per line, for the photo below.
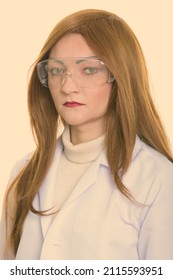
97 221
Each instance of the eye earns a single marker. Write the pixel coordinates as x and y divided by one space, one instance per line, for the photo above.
90 70
55 71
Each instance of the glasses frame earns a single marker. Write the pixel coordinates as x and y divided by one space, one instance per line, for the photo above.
44 82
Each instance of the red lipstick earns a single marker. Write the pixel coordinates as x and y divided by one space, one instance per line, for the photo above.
72 104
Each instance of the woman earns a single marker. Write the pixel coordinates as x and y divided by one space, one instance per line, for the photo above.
103 188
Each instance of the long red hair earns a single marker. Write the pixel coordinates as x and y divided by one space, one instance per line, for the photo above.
130 112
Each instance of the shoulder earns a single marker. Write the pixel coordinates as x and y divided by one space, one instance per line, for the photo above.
149 158
149 172
22 162
19 165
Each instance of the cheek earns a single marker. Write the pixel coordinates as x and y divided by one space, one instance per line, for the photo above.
56 98
100 99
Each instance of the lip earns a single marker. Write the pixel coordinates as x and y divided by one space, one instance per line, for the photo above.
73 104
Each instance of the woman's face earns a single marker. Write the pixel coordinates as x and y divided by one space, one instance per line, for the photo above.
77 105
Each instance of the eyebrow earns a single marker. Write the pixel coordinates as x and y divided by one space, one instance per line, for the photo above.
85 59
78 61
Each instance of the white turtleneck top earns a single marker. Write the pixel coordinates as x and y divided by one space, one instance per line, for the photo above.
73 163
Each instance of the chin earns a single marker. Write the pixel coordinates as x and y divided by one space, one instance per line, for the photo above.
73 121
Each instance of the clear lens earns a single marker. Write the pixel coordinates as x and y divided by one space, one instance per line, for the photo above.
85 72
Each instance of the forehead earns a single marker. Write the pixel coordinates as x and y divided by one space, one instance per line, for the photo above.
71 45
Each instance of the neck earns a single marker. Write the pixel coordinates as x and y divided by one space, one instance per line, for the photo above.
83 134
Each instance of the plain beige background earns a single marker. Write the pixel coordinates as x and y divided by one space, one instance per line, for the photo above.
24 27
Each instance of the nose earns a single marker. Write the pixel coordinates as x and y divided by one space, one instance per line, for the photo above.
67 74
68 83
